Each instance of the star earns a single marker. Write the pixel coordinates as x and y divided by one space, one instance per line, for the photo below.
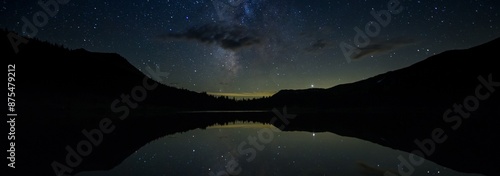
236 46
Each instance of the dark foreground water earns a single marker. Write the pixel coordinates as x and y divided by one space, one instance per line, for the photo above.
251 149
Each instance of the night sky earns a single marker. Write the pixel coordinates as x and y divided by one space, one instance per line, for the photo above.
258 47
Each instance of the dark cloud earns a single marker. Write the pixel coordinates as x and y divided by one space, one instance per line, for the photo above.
317 39
317 45
377 47
230 37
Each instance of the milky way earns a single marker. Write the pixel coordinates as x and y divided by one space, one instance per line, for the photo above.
262 46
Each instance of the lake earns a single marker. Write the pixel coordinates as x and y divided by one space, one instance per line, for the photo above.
256 149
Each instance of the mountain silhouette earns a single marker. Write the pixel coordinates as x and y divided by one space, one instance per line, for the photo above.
399 107
61 92
443 77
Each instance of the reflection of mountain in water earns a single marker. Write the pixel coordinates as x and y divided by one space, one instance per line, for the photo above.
371 170
392 109
280 153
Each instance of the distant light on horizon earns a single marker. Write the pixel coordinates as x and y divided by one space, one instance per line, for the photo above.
242 95
266 45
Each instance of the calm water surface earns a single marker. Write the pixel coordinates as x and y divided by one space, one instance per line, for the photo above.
252 149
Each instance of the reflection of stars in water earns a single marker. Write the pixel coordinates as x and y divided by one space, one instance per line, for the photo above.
437 172
144 158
